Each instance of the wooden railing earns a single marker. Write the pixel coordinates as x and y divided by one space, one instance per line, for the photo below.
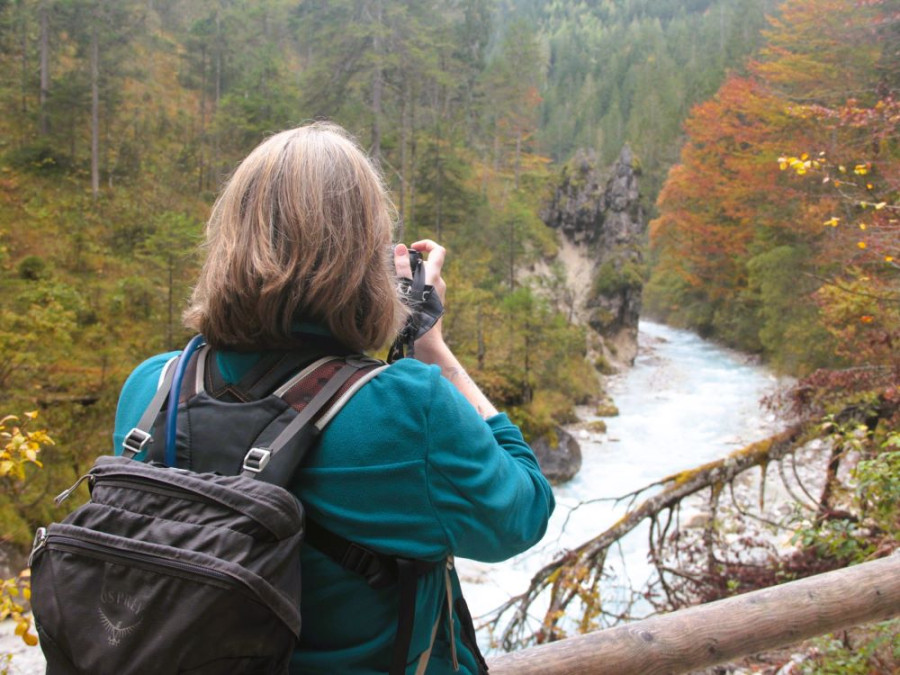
717 632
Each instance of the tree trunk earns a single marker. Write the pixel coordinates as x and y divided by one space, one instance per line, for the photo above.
439 192
218 94
482 349
377 84
706 635
23 34
171 306
404 157
834 465
518 156
512 255
43 124
527 392
565 576
411 167
202 134
107 144
95 108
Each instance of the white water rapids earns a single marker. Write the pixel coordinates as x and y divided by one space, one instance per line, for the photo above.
685 402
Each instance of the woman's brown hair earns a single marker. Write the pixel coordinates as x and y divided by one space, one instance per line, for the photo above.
301 232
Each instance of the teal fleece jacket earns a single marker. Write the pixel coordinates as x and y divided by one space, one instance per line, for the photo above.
409 468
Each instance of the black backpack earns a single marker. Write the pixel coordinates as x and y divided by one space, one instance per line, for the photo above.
189 563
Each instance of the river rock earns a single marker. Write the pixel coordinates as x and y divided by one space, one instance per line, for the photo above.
559 455
596 427
606 408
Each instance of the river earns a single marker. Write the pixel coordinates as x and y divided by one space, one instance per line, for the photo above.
686 401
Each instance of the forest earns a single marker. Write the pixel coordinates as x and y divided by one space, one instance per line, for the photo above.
765 135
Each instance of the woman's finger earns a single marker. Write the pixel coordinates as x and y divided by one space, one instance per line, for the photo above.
435 261
401 262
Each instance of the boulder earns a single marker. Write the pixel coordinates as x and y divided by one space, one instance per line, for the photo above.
559 455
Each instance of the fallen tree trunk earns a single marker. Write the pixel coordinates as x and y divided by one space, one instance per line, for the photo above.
576 573
721 631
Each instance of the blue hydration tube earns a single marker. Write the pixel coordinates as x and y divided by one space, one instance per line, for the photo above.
172 409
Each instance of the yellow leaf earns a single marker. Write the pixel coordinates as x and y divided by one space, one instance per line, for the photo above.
32 415
889 258
30 640
862 226
880 205
861 244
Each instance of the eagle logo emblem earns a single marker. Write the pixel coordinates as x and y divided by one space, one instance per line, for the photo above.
115 630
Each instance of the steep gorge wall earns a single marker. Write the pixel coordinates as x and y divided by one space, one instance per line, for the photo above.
601 228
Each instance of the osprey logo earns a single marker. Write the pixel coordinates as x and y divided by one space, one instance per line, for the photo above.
119 615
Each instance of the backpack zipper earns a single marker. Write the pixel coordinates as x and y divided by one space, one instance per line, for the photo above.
61 542
40 540
65 494
176 493
151 484
51 539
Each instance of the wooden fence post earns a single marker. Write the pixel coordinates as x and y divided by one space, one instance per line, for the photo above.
721 631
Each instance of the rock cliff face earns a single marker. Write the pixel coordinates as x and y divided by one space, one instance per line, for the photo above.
601 227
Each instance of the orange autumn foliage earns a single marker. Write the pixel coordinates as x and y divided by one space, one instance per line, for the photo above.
800 156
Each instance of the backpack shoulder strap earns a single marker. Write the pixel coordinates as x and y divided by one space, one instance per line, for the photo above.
137 439
317 393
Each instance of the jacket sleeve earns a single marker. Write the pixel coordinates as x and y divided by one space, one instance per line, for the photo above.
484 481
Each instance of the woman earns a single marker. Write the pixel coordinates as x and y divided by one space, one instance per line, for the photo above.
418 464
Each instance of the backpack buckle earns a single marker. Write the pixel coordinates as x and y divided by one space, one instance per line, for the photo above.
134 442
369 565
257 459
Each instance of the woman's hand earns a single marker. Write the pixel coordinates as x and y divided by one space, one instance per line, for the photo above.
432 258
431 348
433 255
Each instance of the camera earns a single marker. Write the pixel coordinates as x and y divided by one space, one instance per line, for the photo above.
415 263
